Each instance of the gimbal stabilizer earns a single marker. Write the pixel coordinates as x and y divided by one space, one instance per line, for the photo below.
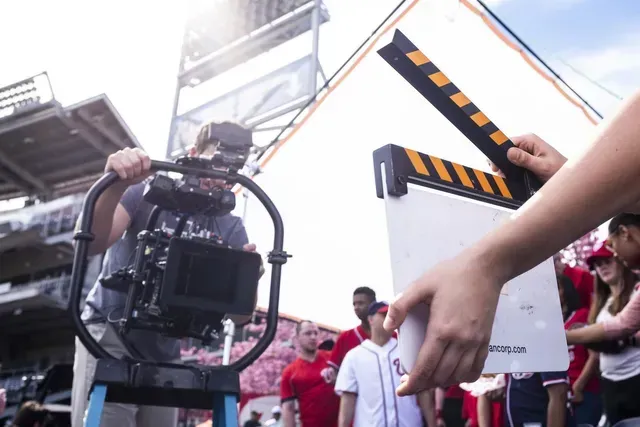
163 384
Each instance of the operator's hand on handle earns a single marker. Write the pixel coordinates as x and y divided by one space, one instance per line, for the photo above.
533 153
463 296
132 165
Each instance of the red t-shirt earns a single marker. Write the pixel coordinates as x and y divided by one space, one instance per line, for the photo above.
470 411
578 354
583 281
346 341
301 380
454 392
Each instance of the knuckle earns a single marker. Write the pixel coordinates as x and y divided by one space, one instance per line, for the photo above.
446 333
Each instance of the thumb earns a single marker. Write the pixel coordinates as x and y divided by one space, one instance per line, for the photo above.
403 303
521 158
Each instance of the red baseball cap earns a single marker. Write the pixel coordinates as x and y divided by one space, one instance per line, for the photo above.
601 251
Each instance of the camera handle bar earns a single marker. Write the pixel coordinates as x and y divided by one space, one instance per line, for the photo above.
167 384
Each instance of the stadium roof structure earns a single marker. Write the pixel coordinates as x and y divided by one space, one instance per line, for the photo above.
321 177
52 151
243 29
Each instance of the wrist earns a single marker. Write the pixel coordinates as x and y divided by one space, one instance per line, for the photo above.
493 261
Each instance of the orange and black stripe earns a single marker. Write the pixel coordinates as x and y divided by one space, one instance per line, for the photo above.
454 173
435 86
458 98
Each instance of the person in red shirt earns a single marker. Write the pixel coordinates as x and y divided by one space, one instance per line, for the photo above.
582 280
347 340
302 381
486 410
583 363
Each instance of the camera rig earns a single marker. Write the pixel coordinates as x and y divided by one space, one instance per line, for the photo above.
183 286
180 286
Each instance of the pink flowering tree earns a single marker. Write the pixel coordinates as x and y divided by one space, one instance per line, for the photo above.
578 252
263 376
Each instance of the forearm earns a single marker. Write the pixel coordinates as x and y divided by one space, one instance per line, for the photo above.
483 407
103 217
439 398
426 401
347 409
627 322
589 369
556 412
589 334
597 185
288 417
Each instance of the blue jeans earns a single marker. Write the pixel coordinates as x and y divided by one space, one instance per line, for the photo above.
589 410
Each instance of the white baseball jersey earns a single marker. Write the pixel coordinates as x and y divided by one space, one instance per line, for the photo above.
373 373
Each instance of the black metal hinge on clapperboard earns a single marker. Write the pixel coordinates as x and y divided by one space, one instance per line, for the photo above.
403 165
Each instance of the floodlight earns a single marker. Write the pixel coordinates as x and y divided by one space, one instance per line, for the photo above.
25 96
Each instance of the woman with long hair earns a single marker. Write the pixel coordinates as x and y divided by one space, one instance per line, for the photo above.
624 238
619 370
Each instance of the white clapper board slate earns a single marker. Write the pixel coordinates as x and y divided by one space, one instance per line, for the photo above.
426 226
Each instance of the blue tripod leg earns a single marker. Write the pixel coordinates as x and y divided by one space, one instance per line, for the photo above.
96 404
225 410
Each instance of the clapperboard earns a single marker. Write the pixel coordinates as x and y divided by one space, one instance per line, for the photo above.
435 208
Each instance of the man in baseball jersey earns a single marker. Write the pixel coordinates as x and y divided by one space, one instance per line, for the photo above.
302 381
368 378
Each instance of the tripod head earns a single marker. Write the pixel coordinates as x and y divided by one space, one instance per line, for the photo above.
162 294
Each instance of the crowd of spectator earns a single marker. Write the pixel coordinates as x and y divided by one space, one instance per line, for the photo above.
598 389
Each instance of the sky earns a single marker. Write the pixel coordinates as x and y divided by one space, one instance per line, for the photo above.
598 38
130 51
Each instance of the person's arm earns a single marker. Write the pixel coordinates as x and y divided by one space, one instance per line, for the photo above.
426 402
330 373
588 370
347 384
439 396
592 333
627 322
110 217
557 409
288 414
597 332
579 197
347 409
287 397
338 352
484 411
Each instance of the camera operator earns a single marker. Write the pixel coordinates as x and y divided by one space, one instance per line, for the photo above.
120 214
